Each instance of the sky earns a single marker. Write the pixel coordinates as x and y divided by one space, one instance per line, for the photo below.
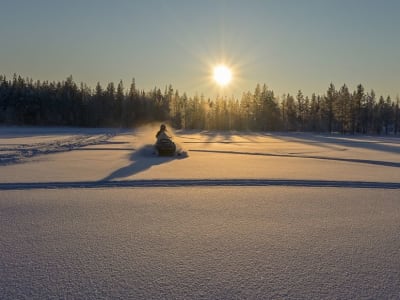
289 45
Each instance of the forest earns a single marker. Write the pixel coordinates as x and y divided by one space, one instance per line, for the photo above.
24 101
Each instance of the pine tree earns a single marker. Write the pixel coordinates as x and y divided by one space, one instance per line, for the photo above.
370 114
290 119
119 100
342 109
330 101
246 110
131 107
388 116
314 116
397 116
301 110
357 104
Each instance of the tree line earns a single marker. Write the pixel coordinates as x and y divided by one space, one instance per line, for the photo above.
28 102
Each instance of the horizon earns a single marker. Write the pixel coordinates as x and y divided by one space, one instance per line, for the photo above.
126 87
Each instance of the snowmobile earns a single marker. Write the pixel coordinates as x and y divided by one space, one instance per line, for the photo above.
165 147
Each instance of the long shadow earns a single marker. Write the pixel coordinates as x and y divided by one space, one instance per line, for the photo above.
226 137
352 160
181 183
217 136
104 149
378 143
220 142
141 160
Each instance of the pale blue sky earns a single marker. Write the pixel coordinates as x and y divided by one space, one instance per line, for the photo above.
286 44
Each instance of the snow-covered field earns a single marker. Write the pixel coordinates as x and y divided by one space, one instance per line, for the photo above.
91 214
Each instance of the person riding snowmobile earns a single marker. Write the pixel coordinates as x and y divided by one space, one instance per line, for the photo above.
162 133
164 144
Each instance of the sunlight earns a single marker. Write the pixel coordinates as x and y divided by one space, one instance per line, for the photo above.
222 75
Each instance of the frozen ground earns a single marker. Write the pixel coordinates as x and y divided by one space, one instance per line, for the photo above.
92 214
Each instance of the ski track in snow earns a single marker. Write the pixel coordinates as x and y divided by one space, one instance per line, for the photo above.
10 154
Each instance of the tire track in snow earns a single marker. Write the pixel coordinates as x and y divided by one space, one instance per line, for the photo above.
23 152
168 183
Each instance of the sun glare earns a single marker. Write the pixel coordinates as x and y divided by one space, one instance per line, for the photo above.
222 75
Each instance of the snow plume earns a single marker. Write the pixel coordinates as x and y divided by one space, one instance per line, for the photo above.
147 133
150 130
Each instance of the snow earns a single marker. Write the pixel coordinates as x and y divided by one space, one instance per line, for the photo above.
91 213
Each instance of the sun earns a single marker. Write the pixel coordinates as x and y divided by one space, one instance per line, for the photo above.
222 75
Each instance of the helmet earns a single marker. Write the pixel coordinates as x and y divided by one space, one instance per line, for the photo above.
162 127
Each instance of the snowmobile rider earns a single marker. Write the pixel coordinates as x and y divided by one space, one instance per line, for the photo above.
162 133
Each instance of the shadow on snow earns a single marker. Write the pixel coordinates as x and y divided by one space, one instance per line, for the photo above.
142 159
377 143
351 160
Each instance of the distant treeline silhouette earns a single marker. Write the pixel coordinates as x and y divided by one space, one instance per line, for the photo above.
29 102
